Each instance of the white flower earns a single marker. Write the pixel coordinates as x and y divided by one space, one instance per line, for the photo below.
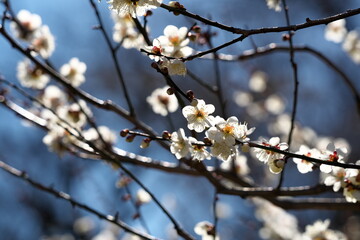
31 76
239 163
198 150
257 82
175 41
125 31
180 145
53 97
44 42
161 102
156 49
74 114
274 160
319 230
198 115
29 22
133 7
274 4
142 196
242 99
74 71
336 31
302 165
351 45
274 104
228 131
107 135
278 224
336 178
173 66
332 154
352 185
205 230
222 150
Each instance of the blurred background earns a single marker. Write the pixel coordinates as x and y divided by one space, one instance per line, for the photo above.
326 110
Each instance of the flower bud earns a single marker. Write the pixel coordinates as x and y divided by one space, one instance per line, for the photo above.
124 132
170 91
190 94
166 135
145 143
130 138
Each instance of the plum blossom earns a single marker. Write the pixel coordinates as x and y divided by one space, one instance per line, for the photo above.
173 66
198 115
222 150
179 144
198 150
302 165
74 71
351 45
336 31
161 102
74 114
352 185
31 76
133 7
320 230
43 42
107 135
332 154
53 97
274 160
274 4
257 82
205 230
29 22
125 31
142 197
336 178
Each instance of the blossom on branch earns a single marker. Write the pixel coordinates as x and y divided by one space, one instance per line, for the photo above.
133 7
74 71
43 42
180 145
274 160
198 115
161 102
30 23
336 31
31 76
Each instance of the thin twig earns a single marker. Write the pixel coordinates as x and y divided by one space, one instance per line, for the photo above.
114 58
62 195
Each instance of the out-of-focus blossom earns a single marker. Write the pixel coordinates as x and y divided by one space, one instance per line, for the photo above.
31 76
336 31
274 104
239 163
351 45
274 4
53 97
43 42
257 82
74 71
161 102
319 230
30 22
142 196
242 99
75 114
205 230
107 135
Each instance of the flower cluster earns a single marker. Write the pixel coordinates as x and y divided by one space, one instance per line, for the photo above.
133 7
172 44
222 136
336 32
29 28
125 31
274 160
161 102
